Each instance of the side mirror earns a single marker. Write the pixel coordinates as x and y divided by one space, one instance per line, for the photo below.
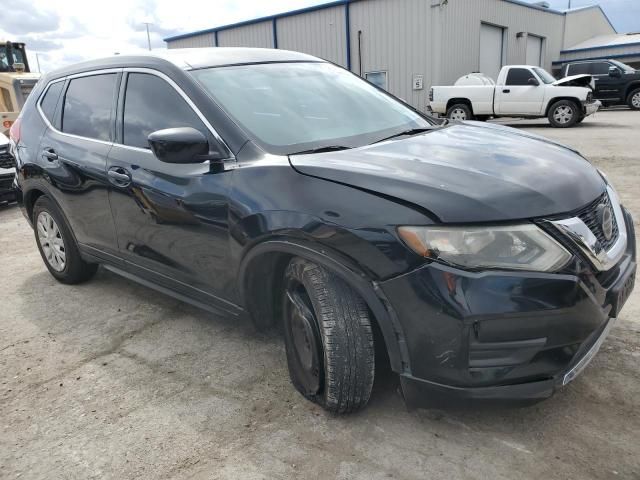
533 81
183 145
614 72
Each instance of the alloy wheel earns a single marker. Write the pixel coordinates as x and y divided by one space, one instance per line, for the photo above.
51 241
458 114
635 100
563 114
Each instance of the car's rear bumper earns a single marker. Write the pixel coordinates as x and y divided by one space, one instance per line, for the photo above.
503 335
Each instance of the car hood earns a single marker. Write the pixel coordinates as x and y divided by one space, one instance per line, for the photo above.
466 172
582 80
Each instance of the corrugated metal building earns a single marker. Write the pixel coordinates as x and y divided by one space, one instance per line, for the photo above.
407 45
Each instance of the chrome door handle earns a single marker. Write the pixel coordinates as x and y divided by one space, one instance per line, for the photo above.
506 91
119 176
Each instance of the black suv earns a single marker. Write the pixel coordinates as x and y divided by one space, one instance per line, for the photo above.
487 262
616 83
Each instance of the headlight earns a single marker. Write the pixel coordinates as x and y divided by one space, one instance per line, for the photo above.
517 247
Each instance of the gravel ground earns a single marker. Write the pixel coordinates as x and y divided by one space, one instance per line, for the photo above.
113 380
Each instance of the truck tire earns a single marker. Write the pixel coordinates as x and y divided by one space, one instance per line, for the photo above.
57 245
633 100
460 112
564 114
328 338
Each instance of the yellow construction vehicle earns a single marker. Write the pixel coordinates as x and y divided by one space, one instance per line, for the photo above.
16 82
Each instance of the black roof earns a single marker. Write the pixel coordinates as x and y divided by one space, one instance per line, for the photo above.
188 59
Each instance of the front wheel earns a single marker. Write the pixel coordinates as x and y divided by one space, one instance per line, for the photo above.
633 100
328 338
564 114
459 112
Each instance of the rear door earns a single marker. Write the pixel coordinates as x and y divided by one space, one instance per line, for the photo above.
517 95
73 153
171 219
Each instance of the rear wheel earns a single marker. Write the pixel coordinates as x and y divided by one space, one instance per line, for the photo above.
564 114
633 100
459 112
57 246
328 338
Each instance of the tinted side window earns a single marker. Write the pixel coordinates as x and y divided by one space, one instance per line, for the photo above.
519 76
152 104
579 69
600 68
50 100
88 106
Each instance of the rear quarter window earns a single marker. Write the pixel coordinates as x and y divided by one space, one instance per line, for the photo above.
50 100
88 106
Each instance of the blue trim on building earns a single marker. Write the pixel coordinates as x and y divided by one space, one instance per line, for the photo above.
347 28
313 8
275 33
606 57
601 47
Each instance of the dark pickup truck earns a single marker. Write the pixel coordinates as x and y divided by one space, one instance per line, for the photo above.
616 83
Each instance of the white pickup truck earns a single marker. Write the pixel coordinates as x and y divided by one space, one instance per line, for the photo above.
521 91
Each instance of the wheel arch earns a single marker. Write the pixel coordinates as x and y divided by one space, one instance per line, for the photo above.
554 100
464 101
261 273
630 88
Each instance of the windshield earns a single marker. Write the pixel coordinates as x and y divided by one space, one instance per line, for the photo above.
545 76
623 66
17 57
291 107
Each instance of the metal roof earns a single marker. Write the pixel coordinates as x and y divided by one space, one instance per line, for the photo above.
606 41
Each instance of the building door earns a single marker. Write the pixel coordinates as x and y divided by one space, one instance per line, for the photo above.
491 49
534 51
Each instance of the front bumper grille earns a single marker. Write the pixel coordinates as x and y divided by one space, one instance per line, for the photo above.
6 159
591 217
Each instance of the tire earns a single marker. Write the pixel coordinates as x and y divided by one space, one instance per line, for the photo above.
328 338
57 245
564 114
460 112
633 100
580 120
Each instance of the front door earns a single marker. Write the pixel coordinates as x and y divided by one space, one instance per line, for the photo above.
518 96
171 219
608 88
74 150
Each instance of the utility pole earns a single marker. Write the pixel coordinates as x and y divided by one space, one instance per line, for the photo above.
149 37
569 4
38 62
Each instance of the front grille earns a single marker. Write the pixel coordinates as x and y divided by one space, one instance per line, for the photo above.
589 215
6 160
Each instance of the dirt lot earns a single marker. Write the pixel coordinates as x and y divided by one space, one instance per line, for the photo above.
112 380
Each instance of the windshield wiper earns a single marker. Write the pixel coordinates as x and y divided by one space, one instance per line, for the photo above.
411 131
326 148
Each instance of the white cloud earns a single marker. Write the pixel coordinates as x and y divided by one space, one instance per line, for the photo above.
69 31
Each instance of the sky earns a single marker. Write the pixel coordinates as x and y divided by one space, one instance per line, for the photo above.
68 31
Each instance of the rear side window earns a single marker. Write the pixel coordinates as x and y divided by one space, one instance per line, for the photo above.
579 69
519 76
152 104
88 106
50 100
600 68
